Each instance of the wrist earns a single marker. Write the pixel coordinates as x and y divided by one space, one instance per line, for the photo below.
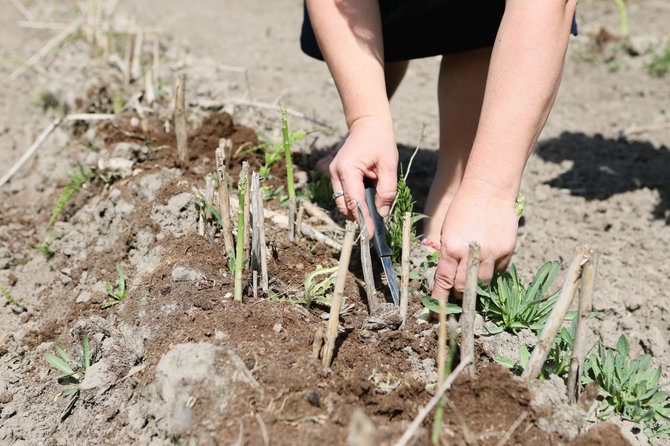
380 124
495 188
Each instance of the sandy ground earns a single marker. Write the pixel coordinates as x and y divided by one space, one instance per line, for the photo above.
585 183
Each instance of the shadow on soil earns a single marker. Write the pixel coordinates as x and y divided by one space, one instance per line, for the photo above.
605 167
601 168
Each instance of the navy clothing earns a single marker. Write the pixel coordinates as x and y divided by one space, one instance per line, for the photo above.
413 29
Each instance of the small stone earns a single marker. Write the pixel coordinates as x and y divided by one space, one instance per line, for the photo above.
220 335
632 306
9 411
312 397
386 316
116 166
277 327
183 274
110 413
83 297
6 397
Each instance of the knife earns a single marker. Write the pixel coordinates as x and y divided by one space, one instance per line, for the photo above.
383 250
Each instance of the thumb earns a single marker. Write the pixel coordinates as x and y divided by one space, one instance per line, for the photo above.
386 190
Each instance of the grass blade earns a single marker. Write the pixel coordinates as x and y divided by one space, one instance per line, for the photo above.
58 363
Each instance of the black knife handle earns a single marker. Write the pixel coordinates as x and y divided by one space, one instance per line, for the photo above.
379 239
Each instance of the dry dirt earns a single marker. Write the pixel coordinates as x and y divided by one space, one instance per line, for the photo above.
181 362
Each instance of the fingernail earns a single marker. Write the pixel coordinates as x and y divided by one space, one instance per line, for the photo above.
384 210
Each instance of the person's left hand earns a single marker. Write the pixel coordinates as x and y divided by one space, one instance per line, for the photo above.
481 213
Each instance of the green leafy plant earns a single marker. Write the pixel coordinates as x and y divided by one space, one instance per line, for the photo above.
9 297
117 296
321 190
72 371
403 203
203 204
424 267
630 387
660 64
558 359
316 291
77 180
434 306
273 150
44 249
520 204
510 305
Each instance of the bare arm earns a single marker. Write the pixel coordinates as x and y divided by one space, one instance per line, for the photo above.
523 79
349 33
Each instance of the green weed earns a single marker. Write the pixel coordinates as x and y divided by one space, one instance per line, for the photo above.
318 291
510 305
434 306
232 264
273 150
9 297
73 371
117 296
44 249
660 64
46 100
558 359
520 204
404 203
203 204
630 388
321 190
77 180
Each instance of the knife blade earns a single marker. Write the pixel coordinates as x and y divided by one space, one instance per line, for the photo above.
379 241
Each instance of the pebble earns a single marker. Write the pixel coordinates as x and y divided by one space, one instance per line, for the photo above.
5 397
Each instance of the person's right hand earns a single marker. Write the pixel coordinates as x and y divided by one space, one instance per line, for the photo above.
370 151
482 213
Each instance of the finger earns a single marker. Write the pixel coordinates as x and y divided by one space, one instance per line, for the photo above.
459 280
337 187
501 263
386 190
354 190
486 268
445 275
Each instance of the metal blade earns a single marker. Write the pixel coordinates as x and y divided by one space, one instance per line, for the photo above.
391 279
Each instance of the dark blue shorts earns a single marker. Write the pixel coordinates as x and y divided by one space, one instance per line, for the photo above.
414 29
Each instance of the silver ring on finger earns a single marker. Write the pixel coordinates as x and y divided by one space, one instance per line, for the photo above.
338 194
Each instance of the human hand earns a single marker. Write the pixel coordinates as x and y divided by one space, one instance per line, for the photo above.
369 152
482 213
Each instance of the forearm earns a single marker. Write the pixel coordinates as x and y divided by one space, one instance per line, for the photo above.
350 38
523 80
